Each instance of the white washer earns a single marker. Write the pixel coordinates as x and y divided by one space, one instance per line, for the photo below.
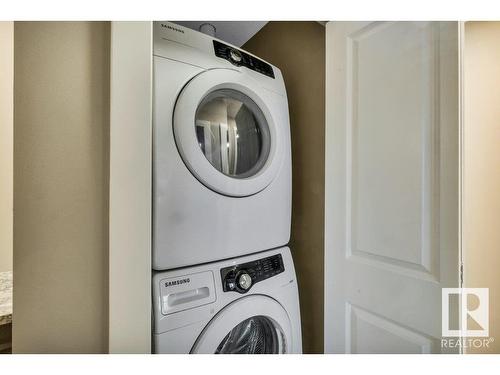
245 305
221 151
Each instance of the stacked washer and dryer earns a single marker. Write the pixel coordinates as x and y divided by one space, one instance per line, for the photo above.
223 280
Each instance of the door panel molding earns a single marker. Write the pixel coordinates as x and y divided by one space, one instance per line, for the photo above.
404 338
425 263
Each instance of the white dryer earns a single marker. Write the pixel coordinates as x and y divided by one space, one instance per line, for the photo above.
248 305
221 154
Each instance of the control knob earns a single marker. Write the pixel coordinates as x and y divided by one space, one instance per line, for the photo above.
244 281
235 56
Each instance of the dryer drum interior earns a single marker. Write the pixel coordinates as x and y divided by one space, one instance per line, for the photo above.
233 133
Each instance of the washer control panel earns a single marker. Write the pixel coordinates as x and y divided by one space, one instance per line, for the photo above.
240 58
241 277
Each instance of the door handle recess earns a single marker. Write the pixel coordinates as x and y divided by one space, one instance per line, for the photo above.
180 298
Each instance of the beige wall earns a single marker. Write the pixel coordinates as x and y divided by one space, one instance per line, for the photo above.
298 49
6 142
482 165
61 169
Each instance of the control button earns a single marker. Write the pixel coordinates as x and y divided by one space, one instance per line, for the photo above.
231 285
235 56
244 281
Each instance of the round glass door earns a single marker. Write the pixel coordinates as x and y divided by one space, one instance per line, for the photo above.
232 133
229 132
255 324
255 335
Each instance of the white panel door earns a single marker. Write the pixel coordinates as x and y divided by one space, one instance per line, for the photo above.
391 226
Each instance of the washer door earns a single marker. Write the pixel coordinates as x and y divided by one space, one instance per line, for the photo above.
251 325
226 133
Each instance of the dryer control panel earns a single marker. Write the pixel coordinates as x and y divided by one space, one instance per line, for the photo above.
241 58
241 277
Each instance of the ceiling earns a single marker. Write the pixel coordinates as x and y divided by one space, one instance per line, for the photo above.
233 32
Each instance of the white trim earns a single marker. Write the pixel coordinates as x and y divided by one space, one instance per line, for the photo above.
130 188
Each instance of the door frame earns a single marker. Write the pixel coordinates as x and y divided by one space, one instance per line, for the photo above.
130 187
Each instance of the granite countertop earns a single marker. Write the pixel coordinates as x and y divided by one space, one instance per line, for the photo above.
5 297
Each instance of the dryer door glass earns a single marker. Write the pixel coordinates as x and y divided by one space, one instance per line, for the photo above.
255 335
232 133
